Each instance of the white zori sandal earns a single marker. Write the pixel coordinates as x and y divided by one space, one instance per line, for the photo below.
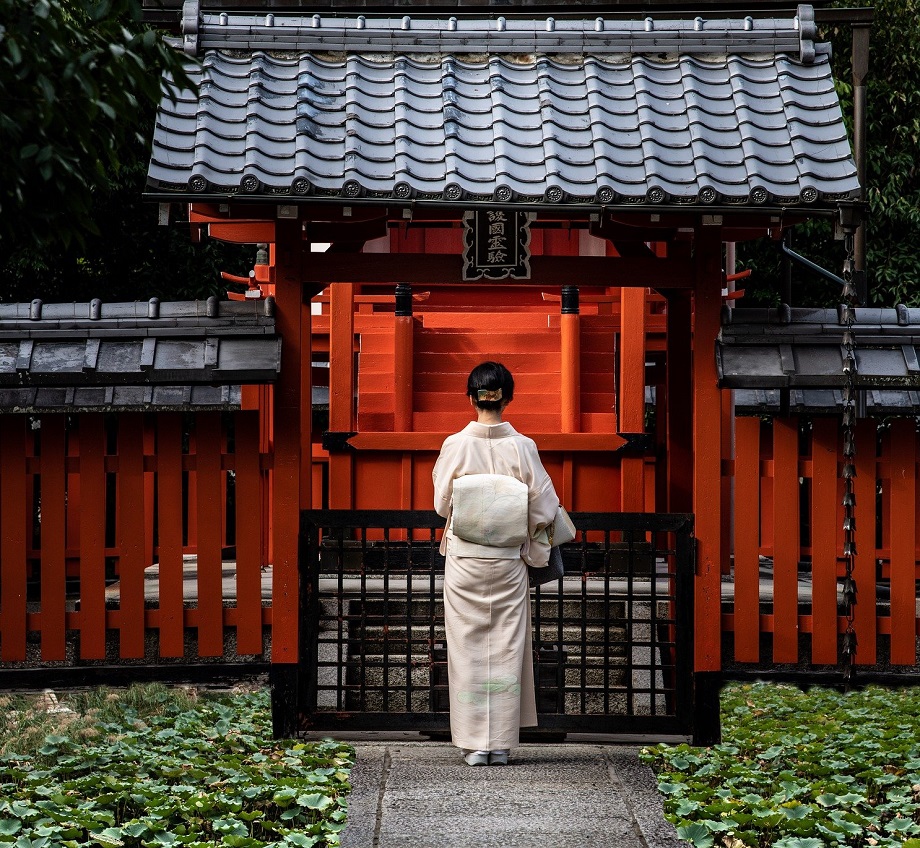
477 758
498 758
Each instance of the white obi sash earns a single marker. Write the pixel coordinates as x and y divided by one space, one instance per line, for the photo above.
488 511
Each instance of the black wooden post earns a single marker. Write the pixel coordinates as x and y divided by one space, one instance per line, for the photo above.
707 727
284 680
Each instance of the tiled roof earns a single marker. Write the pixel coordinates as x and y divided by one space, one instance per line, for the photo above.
879 402
119 399
135 346
556 112
802 349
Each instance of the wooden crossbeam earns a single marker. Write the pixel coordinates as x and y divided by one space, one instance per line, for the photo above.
444 269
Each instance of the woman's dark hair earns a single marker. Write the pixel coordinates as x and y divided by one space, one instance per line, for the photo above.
490 385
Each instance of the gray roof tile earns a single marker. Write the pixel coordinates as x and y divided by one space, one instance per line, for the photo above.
801 349
632 116
191 342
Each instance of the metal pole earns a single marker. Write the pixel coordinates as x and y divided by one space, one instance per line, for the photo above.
860 71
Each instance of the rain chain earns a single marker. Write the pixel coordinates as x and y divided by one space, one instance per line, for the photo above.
848 319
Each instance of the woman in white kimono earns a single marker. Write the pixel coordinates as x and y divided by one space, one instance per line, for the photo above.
486 592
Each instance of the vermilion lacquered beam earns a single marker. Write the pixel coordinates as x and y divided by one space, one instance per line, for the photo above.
786 540
248 535
237 233
432 441
53 542
903 532
169 528
826 515
209 508
92 536
707 452
130 533
13 523
747 539
440 269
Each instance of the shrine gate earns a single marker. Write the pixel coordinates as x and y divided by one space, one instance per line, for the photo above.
368 156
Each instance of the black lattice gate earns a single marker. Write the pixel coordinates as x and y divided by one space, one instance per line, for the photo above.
613 639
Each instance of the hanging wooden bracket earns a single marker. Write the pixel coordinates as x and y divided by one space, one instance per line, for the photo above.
336 441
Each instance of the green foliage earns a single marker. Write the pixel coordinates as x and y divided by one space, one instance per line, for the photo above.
25 720
75 75
892 173
79 85
131 259
799 770
893 177
157 772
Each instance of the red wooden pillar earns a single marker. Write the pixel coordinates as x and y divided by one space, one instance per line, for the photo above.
826 517
306 394
631 417
92 536
728 446
248 535
130 539
73 505
864 562
707 449
903 530
289 409
267 448
570 361
747 539
341 390
210 509
149 450
53 529
680 402
191 539
403 353
14 522
786 545
169 524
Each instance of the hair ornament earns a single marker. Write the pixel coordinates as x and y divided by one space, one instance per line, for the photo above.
488 394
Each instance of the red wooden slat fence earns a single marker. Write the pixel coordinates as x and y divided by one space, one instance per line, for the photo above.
89 502
788 511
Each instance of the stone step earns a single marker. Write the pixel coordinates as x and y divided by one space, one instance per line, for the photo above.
395 608
398 638
387 692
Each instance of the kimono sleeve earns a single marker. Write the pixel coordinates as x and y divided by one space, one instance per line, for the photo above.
442 475
543 500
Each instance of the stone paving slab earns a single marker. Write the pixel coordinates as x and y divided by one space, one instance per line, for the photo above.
422 794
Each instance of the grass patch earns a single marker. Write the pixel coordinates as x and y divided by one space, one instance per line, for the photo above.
156 767
799 770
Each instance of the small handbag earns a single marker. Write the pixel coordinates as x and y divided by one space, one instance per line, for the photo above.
562 529
558 532
553 570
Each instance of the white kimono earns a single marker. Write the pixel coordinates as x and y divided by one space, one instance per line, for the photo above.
486 593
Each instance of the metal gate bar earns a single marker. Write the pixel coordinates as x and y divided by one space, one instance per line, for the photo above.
613 640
